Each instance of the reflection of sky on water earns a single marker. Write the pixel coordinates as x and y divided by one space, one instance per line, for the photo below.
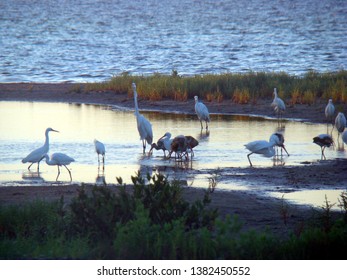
22 126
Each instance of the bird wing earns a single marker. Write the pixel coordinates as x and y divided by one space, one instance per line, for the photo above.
35 155
145 129
61 159
202 111
258 146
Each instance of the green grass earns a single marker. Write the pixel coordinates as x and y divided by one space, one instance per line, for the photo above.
241 88
153 221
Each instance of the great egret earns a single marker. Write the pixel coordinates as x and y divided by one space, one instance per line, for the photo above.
278 139
278 104
39 154
202 112
143 125
163 143
329 110
261 147
340 123
59 159
323 140
100 150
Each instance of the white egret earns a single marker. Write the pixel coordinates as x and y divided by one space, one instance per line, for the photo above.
163 143
329 110
202 112
261 147
278 104
143 125
278 139
59 159
323 140
100 150
340 123
39 154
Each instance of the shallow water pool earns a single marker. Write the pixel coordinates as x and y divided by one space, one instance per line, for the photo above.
22 126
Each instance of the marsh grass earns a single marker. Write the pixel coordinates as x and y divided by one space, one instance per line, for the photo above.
240 88
151 220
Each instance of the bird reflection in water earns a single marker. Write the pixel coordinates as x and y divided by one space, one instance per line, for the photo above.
32 176
100 179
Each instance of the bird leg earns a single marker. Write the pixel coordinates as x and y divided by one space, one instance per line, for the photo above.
58 173
69 172
249 159
144 146
323 156
30 166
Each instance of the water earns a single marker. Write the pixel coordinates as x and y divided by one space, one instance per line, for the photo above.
22 126
88 40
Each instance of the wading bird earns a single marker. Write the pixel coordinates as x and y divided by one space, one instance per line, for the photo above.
59 159
340 123
100 150
143 125
163 143
191 143
278 104
202 112
179 146
278 139
40 153
329 111
261 147
323 140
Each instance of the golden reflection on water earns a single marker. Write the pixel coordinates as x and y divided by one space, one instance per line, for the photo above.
22 126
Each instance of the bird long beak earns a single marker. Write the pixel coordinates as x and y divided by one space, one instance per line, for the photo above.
55 130
284 148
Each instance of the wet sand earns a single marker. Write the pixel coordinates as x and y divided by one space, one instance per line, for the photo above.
256 212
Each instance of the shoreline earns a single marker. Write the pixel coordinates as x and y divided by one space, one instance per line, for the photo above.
256 212
67 93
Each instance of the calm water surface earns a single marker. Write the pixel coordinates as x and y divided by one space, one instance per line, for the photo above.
91 40
22 126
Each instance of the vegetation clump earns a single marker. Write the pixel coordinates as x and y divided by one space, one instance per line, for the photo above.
151 220
240 88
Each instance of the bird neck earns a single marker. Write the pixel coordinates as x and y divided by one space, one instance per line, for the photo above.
136 105
46 145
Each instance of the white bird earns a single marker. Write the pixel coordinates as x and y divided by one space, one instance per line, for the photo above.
323 140
163 143
278 139
261 147
329 110
100 150
278 104
143 125
202 112
59 159
40 153
340 123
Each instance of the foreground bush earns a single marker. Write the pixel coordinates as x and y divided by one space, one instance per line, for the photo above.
152 221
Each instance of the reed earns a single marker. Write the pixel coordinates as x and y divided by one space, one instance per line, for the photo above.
241 88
